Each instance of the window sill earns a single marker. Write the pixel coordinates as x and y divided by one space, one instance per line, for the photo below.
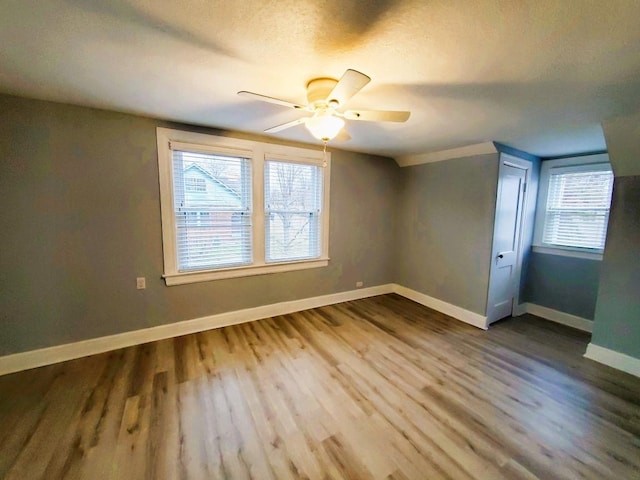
567 252
236 272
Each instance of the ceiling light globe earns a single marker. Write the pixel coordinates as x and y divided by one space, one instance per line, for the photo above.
324 127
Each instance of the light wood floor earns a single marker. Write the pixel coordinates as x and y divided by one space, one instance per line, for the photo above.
375 388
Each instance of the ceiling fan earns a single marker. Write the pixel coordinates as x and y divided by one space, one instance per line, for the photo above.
326 98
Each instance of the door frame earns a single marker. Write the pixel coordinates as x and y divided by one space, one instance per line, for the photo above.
506 159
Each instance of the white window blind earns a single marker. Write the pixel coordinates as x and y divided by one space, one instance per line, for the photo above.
293 199
577 207
212 204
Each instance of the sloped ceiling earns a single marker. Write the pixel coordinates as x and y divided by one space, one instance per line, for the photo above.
538 75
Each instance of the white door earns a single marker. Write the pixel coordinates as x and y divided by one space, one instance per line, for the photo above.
504 276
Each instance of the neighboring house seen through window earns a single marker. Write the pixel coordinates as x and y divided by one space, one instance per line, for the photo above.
573 205
233 207
208 190
194 184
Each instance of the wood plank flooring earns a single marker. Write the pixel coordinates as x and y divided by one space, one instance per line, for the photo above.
380 388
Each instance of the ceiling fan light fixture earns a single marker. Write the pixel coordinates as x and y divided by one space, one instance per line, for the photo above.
324 127
325 100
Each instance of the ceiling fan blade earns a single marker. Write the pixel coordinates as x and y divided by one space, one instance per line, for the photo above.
377 115
264 98
284 126
351 83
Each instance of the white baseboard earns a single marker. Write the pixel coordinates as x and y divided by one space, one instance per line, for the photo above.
60 353
70 351
454 311
559 317
614 359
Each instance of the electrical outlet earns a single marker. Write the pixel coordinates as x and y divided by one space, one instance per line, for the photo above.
141 283
359 284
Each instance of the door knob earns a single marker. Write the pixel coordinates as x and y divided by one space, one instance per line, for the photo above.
500 255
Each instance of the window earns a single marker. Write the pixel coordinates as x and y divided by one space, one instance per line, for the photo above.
292 211
573 206
233 207
207 236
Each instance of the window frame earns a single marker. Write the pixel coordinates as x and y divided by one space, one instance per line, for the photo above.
266 225
197 210
257 153
587 163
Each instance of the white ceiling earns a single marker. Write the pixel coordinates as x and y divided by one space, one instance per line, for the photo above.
538 75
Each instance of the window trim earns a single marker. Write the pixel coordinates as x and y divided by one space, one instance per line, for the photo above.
266 225
576 164
257 153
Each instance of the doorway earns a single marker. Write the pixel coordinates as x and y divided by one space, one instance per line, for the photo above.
507 251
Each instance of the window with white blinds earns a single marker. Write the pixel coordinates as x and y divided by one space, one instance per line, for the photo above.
293 209
213 220
575 205
233 208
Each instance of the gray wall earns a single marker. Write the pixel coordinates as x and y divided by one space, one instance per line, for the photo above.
617 317
621 135
562 283
446 229
81 220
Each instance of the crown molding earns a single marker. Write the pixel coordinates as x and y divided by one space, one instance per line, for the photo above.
460 152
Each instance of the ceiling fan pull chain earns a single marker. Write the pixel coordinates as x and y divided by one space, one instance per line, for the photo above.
324 154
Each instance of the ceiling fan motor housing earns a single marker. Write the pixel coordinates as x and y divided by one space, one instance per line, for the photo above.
319 89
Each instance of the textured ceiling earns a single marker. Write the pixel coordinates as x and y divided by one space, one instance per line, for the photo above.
539 75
